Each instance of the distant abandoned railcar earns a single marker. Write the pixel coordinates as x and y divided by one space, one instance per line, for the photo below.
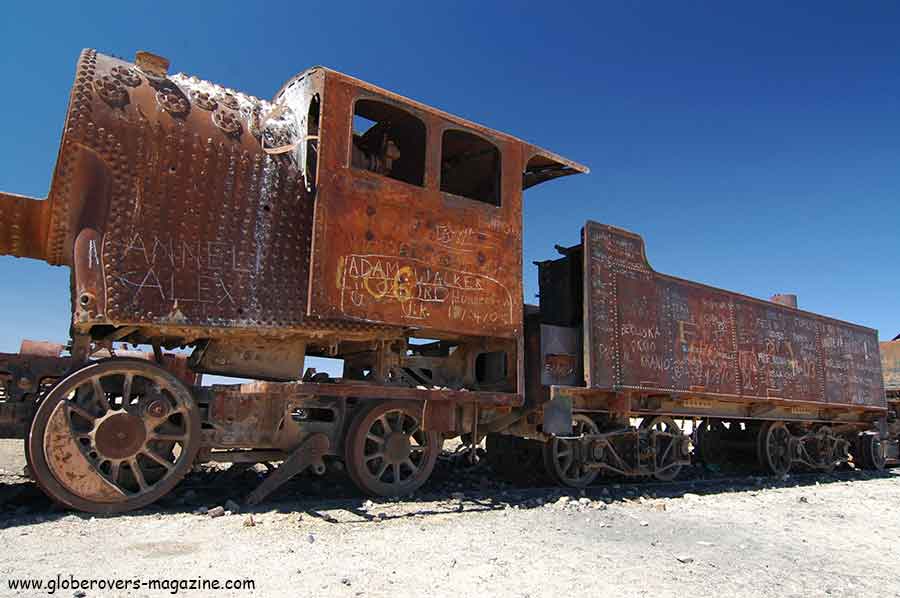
890 363
342 220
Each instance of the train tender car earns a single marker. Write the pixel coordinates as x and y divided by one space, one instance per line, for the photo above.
890 364
342 220
617 341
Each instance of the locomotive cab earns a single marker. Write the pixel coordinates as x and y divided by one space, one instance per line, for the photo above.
417 225
418 213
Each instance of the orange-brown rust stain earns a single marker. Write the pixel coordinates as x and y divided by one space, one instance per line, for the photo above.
23 226
890 365
69 465
649 331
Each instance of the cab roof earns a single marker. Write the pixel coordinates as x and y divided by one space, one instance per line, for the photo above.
542 164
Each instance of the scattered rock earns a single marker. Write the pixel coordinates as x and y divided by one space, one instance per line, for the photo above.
803 499
345 581
690 496
562 501
368 505
216 511
644 523
249 522
584 501
80 594
311 539
684 559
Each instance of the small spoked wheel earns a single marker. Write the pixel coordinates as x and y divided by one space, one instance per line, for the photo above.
114 436
667 449
826 445
774 448
869 451
386 451
560 455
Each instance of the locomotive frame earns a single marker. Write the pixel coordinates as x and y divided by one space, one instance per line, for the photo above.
343 220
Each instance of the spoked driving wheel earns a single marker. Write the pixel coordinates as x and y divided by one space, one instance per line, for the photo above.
667 446
115 435
387 453
560 455
774 448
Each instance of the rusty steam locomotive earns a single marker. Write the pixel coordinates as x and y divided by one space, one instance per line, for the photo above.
236 236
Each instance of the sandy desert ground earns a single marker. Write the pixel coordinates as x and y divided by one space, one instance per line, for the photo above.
467 535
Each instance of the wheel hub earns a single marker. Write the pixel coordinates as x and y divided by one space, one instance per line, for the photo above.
120 436
397 447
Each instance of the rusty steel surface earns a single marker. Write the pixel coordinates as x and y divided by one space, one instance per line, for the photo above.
23 232
397 253
890 365
166 206
650 332
199 226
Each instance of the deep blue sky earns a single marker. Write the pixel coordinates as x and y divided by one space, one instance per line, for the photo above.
755 146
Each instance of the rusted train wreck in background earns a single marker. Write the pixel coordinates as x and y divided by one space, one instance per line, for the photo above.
890 364
342 220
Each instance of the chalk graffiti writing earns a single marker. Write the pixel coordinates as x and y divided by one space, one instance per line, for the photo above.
415 289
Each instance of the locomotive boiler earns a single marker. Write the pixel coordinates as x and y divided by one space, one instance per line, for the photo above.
235 236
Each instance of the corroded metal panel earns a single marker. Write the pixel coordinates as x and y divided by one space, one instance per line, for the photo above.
890 364
778 351
396 253
200 227
559 355
23 230
166 205
851 365
651 332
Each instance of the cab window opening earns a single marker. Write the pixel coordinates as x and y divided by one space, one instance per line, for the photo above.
389 141
312 142
470 167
